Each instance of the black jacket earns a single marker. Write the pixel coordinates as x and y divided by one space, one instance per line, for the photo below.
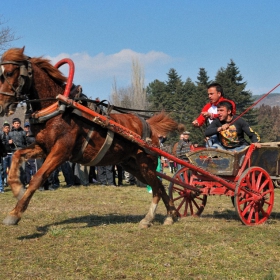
234 135
19 138
5 141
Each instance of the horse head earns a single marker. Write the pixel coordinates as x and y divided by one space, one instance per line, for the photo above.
20 79
15 79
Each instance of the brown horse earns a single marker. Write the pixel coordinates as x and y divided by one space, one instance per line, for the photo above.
70 137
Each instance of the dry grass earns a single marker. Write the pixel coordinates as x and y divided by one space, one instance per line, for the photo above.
92 233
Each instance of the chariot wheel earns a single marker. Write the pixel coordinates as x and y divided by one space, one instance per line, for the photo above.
186 202
254 196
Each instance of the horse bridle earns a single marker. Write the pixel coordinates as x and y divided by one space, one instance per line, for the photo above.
24 78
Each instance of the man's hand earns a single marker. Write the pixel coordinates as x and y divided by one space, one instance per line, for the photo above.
223 127
195 123
206 114
258 145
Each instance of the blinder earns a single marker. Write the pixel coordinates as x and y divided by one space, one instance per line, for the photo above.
24 78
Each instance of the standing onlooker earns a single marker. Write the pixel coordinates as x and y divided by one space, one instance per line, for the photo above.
81 172
18 141
118 169
105 175
6 161
174 152
53 180
171 166
92 174
184 146
17 136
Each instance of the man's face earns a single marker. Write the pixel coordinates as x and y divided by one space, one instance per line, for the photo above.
6 129
223 113
213 95
26 128
16 125
185 136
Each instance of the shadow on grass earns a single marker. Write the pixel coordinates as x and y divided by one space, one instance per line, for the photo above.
232 215
92 221
224 215
95 221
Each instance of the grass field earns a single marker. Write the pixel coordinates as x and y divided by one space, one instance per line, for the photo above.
92 233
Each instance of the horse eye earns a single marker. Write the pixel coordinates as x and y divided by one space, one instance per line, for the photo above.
9 74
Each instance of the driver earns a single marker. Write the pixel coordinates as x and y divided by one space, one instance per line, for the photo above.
230 130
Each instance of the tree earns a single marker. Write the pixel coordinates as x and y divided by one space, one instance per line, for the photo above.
6 35
170 96
265 124
133 96
197 99
156 93
165 96
234 88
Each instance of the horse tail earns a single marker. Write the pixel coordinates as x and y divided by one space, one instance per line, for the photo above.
162 124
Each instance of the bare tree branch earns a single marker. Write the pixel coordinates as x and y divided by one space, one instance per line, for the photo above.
133 96
6 36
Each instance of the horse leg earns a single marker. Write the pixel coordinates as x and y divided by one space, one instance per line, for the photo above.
14 172
53 160
146 174
158 193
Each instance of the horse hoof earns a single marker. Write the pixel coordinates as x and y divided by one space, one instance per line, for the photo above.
145 224
168 221
11 220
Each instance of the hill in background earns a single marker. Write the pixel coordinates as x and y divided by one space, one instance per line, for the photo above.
273 99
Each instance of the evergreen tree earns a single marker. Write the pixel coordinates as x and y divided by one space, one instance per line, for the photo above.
156 94
265 124
234 89
171 97
197 100
174 83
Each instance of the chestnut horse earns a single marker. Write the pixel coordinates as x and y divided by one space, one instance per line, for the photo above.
62 137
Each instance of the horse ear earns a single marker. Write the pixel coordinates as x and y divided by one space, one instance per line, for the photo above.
22 49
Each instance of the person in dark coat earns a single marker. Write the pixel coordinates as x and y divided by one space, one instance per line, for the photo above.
183 147
230 130
6 160
105 175
18 141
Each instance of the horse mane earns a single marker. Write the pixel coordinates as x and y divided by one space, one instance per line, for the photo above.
162 124
17 54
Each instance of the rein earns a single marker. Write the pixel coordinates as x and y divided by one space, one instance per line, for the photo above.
254 104
25 79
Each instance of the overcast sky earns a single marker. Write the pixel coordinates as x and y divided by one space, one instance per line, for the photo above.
102 38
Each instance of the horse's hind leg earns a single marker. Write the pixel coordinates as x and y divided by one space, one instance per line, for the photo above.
144 170
158 193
